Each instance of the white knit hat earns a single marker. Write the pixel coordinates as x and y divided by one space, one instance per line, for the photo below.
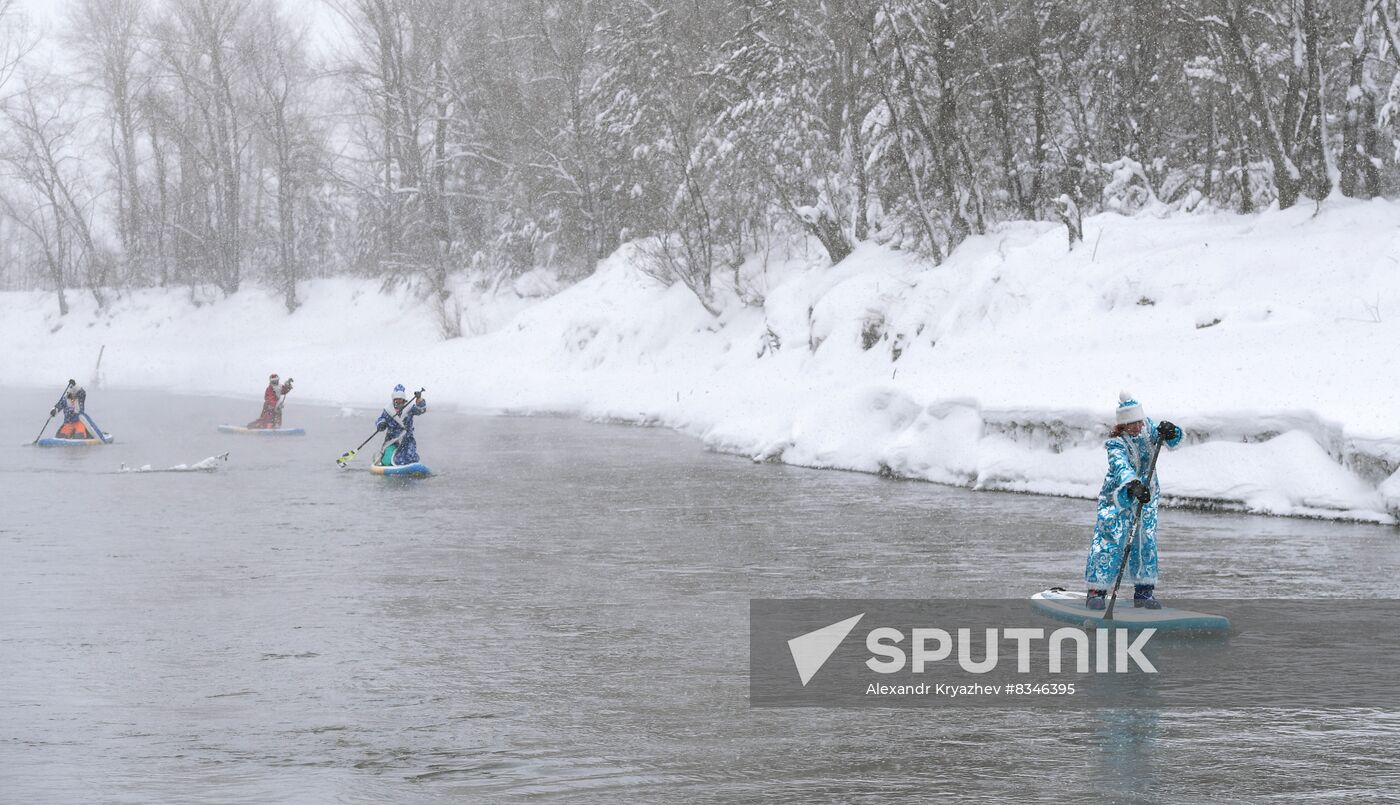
399 393
1129 410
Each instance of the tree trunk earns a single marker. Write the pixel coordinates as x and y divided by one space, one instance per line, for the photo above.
1037 195
1314 147
1358 125
1208 177
901 138
286 222
1287 179
1246 192
828 230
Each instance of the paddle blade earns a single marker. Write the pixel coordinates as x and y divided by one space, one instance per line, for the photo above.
345 458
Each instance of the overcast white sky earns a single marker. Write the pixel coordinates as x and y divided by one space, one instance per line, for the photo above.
47 15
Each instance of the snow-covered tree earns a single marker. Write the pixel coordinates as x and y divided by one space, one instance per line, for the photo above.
797 87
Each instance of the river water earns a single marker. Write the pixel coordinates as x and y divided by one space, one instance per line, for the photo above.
562 612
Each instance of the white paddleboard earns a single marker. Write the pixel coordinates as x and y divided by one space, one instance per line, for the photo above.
1069 606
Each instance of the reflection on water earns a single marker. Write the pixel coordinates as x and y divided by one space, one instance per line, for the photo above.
562 611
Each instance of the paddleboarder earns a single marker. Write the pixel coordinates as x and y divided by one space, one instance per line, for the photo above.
1129 452
400 447
273 398
73 404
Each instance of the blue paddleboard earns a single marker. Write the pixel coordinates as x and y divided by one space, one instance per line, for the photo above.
415 470
263 431
1068 606
55 441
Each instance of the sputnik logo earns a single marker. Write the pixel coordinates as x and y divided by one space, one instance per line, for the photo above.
810 651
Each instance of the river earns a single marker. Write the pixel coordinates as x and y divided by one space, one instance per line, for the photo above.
562 612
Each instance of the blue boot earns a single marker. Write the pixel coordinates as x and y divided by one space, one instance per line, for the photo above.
1142 597
1097 599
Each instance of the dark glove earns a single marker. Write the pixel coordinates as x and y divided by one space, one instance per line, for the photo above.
72 382
382 426
1167 431
53 411
1138 490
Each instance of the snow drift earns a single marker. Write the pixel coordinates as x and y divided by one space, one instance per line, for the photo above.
1268 338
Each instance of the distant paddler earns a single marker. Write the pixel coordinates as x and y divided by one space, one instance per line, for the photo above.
73 405
274 396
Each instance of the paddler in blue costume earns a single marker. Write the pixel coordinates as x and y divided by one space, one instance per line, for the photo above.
1129 453
73 404
400 448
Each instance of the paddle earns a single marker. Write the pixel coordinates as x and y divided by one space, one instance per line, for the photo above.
1132 533
54 410
349 455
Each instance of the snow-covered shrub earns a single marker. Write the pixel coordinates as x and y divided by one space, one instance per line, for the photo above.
1128 189
872 329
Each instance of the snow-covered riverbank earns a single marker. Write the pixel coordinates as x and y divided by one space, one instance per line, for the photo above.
1269 338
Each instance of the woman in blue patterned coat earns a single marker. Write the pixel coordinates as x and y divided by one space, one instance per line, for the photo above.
1129 453
400 447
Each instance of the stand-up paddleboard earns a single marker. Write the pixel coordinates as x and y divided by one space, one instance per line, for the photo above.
414 470
263 431
1068 606
58 441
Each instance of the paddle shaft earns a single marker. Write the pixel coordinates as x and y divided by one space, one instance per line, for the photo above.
1132 533
51 416
41 430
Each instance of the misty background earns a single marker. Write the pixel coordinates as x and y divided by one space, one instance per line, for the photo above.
214 143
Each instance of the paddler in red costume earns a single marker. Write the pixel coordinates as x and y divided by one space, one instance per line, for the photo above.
273 398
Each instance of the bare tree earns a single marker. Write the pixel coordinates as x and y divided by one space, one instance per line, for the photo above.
197 45
275 58
15 42
42 158
104 34
401 69
1360 160
1229 32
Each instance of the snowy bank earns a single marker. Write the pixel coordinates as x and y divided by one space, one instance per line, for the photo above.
1268 338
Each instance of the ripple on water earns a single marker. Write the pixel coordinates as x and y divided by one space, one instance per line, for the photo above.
562 612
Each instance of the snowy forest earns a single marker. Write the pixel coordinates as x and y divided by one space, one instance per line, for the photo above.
214 143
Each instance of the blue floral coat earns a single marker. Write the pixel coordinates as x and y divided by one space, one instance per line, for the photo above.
1128 457
400 431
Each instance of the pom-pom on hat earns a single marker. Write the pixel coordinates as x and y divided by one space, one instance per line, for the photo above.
1129 410
399 393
